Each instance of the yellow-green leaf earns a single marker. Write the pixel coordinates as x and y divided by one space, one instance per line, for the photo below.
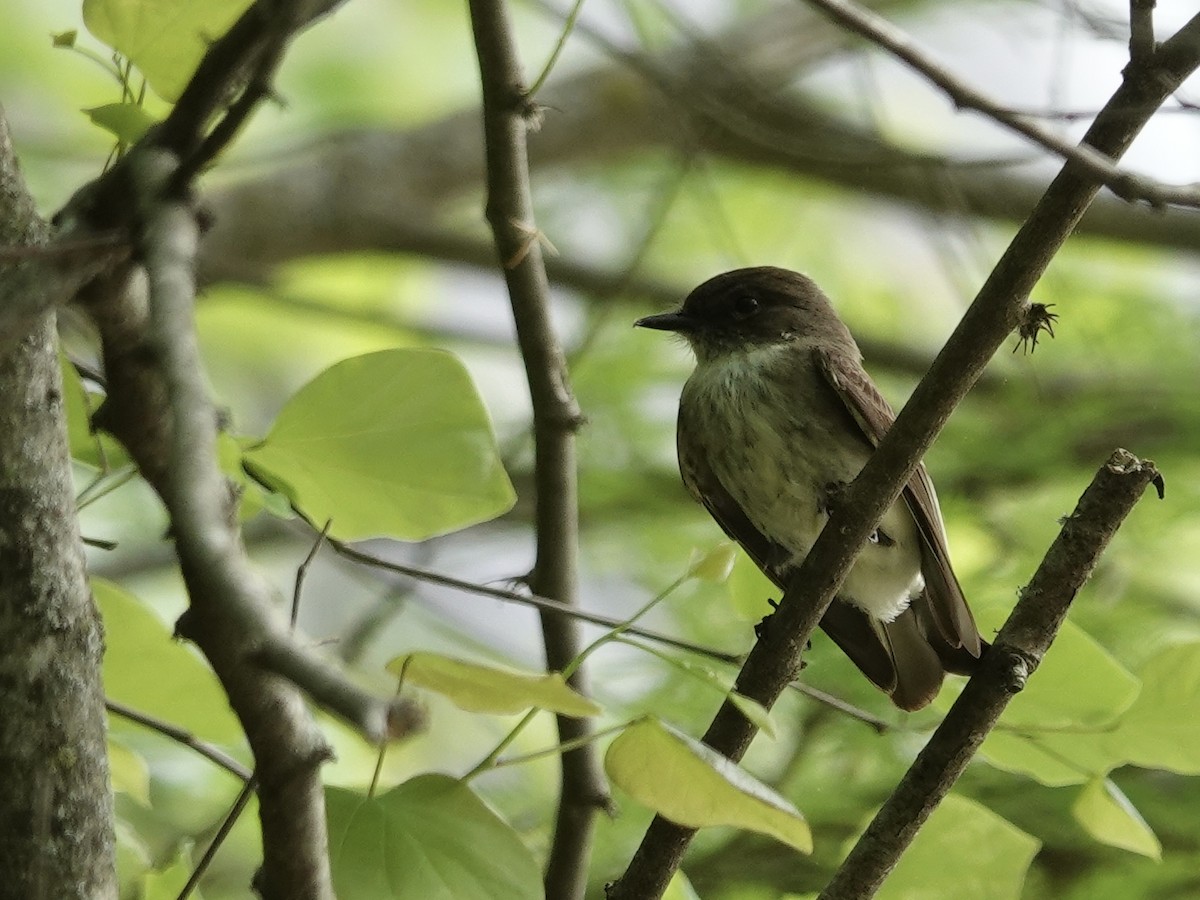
1107 815
692 785
165 39
1162 728
964 851
127 121
165 883
680 888
128 772
490 689
431 838
750 589
715 564
395 443
1079 683
146 668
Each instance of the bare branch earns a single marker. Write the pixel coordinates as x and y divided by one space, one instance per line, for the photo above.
997 309
545 604
180 736
556 416
239 64
1141 31
884 34
210 852
1015 654
245 56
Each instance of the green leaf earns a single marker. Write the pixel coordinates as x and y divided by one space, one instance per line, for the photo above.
1027 754
1158 731
715 565
680 888
167 882
1078 684
96 450
1058 730
964 850
128 772
1107 815
692 785
146 668
1162 729
133 857
64 39
165 39
431 838
489 689
750 589
393 443
128 121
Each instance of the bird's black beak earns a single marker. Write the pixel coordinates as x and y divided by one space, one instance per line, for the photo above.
672 321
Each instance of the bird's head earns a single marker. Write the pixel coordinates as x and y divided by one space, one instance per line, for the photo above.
750 309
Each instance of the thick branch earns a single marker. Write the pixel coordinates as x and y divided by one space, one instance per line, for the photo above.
556 415
1015 654
997 309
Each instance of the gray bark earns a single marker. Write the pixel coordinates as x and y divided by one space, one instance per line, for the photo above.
56 834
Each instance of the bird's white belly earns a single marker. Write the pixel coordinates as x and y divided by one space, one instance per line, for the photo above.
778 461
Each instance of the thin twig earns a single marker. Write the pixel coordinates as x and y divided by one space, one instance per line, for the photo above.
887 36
545 604
559 46
210 852
1015 654
302 571
180 736
575 612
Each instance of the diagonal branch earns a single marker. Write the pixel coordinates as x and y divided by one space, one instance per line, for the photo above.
998 308
182 736
1015 654
507 117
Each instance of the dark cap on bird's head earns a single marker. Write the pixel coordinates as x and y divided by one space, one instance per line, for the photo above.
754 307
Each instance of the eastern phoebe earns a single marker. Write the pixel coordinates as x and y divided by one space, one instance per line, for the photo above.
777 416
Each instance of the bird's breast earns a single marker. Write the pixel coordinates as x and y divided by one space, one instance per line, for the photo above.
775 436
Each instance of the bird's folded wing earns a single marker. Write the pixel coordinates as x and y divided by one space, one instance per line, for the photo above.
873 416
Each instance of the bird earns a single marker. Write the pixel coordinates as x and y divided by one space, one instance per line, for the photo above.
777 416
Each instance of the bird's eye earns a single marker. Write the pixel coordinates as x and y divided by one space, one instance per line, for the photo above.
744 307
